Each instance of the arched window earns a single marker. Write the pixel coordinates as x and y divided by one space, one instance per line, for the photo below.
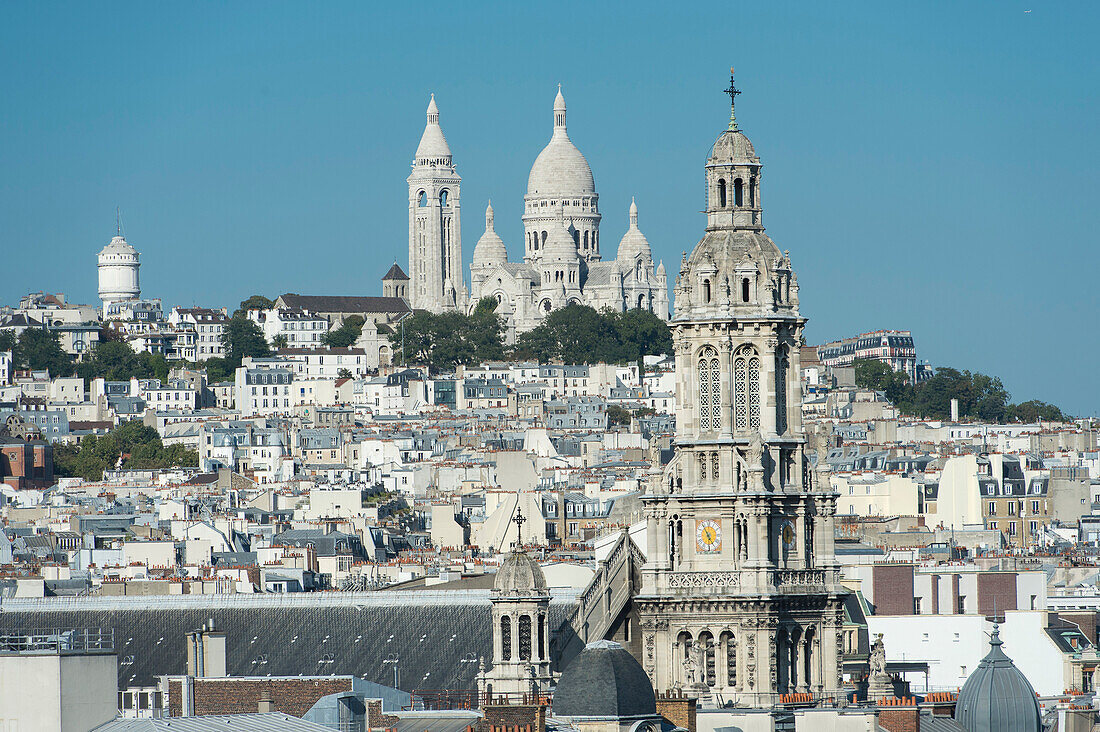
746 390
422 199
641 302
506 638
731 658
542 638
443 197
780 392
744 289
576 239
710 391
721 193
754 393
738 193
706 290
752 191
544 240
706 640
525 637
586 240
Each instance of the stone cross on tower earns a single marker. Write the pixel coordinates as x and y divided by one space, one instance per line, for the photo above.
733 91
519 519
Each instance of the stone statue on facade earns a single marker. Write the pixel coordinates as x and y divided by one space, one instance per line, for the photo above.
878 681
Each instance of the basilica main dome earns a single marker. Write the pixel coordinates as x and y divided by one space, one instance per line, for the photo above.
560 170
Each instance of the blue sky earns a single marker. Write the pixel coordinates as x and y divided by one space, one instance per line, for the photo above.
929 165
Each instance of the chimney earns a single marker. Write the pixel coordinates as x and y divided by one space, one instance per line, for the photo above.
954 410
206 652
265 705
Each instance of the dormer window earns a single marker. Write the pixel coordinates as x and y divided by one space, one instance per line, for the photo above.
744 289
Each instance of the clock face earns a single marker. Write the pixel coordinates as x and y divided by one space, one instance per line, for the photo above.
708 537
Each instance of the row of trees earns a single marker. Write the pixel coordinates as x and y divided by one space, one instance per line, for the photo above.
980 396
574 334
136 445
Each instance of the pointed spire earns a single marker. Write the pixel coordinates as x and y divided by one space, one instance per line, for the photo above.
559 110
733 91
433 112
489 216
633 213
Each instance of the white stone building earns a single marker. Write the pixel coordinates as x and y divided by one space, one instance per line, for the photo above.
562 262
207 324
301 328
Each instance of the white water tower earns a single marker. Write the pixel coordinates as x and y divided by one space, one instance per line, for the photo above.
118 273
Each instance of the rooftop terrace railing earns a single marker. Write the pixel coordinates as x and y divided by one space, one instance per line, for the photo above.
60 640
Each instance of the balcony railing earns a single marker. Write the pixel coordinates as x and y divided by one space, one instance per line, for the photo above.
59 640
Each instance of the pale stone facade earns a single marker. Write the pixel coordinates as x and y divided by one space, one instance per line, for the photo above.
741 600
435 231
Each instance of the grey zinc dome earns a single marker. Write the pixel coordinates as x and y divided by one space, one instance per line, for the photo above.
519 575
997 697
560 169
604 680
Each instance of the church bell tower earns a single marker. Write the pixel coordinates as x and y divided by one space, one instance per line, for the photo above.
741 599
435 233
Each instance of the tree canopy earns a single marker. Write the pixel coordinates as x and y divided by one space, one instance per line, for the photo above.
980 396
243 339
445 340
347 334
37 349
116 361
255 302
580 334
138 446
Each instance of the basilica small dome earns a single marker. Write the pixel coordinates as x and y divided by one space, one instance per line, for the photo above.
560 170
559 244
519 575
604 680
490 249
633 244
997 697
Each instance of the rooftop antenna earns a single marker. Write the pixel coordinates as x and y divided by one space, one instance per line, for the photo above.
118 220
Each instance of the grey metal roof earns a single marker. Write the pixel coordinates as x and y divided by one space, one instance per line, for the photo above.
215 723
435 634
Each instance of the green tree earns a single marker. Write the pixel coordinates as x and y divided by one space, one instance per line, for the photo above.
217 370
580 334
7 340
243 339
343 374
111 360
1035 410
39 349
255 302
137 445
347 334
279 342
617 415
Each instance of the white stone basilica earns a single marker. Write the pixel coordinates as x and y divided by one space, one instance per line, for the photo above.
561 264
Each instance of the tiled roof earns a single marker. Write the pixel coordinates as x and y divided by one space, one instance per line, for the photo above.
344 303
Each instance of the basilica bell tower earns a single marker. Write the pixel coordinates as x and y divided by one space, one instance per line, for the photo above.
436 282
741 599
